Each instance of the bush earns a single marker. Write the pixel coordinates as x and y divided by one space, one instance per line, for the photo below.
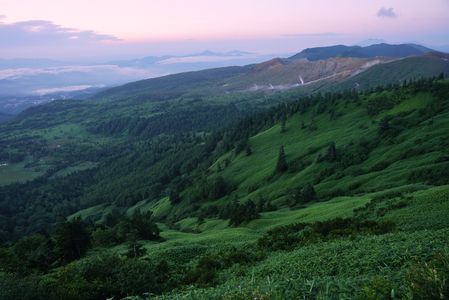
378 104
104 237
430 280
139 225
288 237
377 288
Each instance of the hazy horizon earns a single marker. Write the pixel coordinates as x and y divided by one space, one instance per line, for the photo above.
105 30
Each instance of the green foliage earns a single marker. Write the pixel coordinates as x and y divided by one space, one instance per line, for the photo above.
281 165
430 280
302 195
377 288
139 225
379 103
239 213
208 189
243 213
37 251
105 237
289 237
135 248
206 270
72 239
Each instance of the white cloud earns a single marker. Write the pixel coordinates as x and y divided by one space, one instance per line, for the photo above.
36 33
71 88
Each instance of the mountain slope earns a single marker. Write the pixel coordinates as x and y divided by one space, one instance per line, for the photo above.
424 66
321 68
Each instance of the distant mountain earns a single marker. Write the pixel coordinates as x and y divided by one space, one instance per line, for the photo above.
33 77
370 42
336 72
377 50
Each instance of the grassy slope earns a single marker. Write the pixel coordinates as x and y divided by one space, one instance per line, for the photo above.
326 269
254 170
337 266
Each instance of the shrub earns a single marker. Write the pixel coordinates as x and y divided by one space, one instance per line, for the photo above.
139 224
430 280
290 236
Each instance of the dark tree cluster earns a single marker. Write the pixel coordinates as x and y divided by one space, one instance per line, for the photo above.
302 195
239 213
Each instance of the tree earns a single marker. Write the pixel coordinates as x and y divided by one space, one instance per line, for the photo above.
217 188
242 213
174 196
112 218
250 211
72 239
331 154
282 161
140 224
35 251
308 193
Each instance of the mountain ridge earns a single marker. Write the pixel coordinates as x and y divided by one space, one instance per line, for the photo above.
375 50
288 73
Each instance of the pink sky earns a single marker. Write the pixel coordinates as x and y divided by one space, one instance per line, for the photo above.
284 25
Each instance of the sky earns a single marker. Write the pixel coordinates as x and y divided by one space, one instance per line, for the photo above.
113 29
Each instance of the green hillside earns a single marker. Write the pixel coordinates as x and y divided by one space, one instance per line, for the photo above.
337 195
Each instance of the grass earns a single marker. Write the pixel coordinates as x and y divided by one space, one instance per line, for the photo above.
325 270
344 267
75 168
95 212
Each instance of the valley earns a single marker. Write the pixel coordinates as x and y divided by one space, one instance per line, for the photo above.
323 175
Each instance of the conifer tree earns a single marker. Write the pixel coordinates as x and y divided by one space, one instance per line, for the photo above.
282 161
308 193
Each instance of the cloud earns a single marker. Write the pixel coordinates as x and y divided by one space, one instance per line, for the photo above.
386 13
45 33
70 88
14 74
